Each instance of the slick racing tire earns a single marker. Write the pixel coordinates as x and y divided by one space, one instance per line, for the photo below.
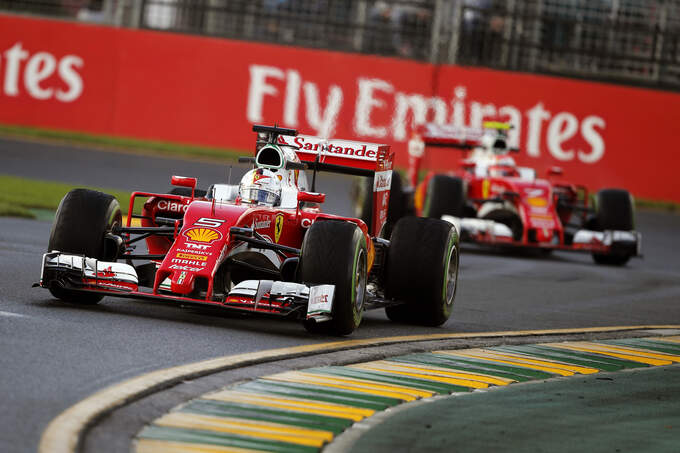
422 271
613 211
82 220
396 208
335 253
445 196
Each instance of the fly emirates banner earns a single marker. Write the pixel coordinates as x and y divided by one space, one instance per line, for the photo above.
189 89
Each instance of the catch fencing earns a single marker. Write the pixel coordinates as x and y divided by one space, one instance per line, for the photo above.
626 41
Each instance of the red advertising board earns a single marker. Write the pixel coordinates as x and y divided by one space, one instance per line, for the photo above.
191 89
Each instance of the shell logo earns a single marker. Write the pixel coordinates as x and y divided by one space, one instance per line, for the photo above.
205 235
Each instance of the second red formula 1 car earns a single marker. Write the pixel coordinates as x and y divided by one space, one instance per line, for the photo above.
493 201
261 247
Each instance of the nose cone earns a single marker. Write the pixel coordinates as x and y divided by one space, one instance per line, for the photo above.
182 282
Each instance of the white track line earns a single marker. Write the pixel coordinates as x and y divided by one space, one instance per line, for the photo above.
9 314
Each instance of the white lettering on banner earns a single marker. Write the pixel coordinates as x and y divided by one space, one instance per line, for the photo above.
382 180
259 88
536 117
37 72
420 107
13 57
593 138
365 105
323 124
71 78
515 118
292 102
38 68
562 128
375 97
479 111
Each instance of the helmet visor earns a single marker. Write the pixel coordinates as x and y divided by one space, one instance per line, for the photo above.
258 195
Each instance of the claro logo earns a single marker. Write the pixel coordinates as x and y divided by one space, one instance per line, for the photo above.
41 75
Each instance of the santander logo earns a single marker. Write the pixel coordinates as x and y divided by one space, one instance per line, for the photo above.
40 74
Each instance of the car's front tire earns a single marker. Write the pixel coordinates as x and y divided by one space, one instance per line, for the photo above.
82 220
614 211
336 253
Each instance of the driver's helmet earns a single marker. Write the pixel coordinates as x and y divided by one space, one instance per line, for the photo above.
260 186
495 143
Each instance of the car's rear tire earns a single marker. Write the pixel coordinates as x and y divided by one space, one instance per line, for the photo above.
82 220
396 208
614 211
422 271
336 253
445 196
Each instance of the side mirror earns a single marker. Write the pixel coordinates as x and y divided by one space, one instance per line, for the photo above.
311 197
555 171
183 181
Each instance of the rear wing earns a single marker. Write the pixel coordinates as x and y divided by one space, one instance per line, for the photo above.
340 156
493 135
450 136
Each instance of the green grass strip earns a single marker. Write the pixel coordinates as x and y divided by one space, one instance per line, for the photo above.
657 205
390 378
18 195
654 346
124 143
196 436
11 210
302 391
267 414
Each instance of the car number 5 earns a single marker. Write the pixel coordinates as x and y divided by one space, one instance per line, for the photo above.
207 222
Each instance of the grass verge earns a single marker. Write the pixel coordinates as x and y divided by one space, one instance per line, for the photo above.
19 195
121 143
667 206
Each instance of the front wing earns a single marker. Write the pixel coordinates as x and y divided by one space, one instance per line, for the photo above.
265 297
489 232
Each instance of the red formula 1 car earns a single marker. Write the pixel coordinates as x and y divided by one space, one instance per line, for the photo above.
262 246
493 201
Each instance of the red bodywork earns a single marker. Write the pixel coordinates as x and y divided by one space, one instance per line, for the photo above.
539 203
201 236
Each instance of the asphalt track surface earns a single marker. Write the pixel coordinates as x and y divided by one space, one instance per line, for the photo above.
54 354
